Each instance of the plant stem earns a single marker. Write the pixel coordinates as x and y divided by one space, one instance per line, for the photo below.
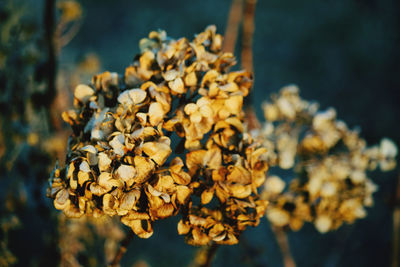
232 25
248 31
283 244
122 249
204 256
247 44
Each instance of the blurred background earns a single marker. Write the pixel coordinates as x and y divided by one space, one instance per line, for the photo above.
342 53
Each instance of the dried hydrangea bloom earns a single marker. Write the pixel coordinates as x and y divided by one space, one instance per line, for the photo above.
165 138
329 160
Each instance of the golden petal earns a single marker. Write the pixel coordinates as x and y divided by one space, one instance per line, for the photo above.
84 167
176 165
240 191
83 93
194 160
182 177
104 162
134 215
207 196
162 212
170 75
177 86
117 143
144 167
191 79
230 239
190 108
62 199
156 113
157 151
195 117
132 97
213 158
238 174
128 201
183 228
126 173
83 177
217 231
221 194
142 228
199 238
110 204
183 194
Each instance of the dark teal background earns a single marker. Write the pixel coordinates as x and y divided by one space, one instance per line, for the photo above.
342 53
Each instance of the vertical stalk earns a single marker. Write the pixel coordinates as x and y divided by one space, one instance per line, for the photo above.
283 244
49 25
204 256
248 31
232 26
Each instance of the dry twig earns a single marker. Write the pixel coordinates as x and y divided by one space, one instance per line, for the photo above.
232 27
248 31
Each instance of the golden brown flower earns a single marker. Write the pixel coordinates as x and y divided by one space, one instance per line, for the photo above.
119 159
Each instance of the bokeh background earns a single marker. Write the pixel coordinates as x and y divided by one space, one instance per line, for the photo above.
342 53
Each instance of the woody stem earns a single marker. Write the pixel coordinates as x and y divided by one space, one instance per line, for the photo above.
232 26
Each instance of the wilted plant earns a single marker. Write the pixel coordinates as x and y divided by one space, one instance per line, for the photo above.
177 96
329 162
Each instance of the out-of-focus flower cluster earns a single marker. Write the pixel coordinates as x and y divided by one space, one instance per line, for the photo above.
330 161
78 240
165 137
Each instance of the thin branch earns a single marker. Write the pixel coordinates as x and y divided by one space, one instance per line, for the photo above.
247 44
232 26
283 243
122 249
248 31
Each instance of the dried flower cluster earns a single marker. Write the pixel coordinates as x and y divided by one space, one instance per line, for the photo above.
329 159
165 137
